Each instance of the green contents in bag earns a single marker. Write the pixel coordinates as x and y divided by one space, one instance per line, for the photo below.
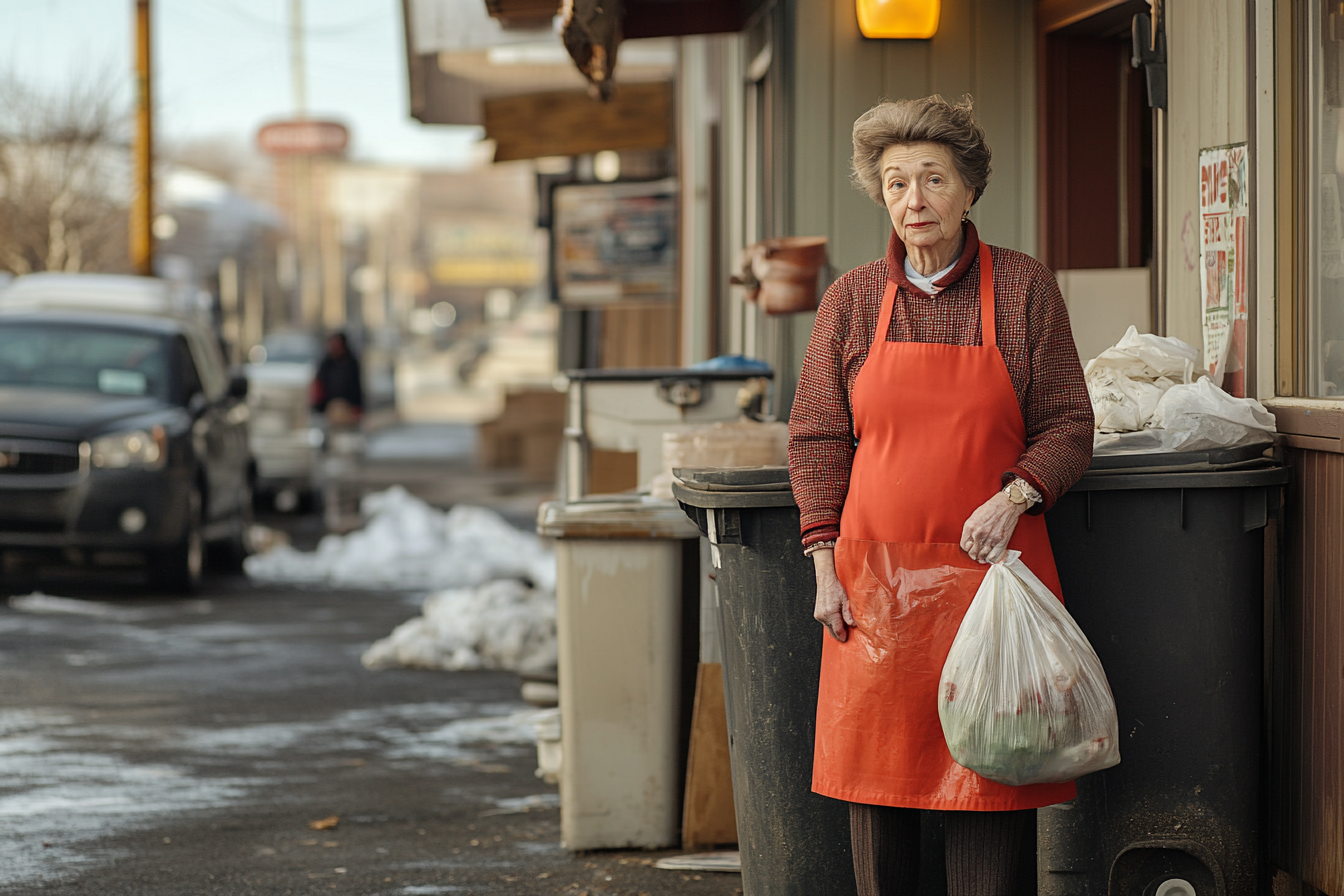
1023 698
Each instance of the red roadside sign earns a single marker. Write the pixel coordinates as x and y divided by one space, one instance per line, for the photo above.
303 137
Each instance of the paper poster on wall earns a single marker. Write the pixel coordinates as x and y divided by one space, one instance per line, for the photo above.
615 242
1223 218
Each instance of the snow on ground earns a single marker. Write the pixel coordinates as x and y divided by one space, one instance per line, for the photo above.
69 783
500 625
484 614
407 544
38 602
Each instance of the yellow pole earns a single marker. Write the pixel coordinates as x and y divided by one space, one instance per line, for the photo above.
142 203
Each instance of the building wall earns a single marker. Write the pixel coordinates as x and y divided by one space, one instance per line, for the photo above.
1306 761
1206 70
983 47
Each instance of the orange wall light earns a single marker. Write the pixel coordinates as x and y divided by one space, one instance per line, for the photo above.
898 18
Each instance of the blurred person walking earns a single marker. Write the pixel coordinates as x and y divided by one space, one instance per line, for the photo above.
337 390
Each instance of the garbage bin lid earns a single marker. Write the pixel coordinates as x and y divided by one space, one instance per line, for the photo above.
1210 460
1244 467
631 517
653 374
735 479
733 486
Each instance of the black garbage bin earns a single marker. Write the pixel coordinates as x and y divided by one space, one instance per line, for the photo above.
792 841
1161 557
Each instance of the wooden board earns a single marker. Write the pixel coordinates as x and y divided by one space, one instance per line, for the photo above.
569 123
527 434
523 13
638 335
708 816
612 472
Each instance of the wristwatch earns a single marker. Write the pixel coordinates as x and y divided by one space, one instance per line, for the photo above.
1015 493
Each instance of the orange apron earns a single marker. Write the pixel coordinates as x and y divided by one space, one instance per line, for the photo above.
936 425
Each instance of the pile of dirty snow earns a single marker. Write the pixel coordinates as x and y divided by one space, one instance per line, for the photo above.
502 625
409 545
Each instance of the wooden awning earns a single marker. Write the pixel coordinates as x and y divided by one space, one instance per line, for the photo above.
642 18
523 13
638 116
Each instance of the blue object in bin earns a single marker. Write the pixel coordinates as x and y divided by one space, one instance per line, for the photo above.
734 363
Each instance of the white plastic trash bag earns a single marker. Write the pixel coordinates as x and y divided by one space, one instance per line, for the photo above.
1202 416
1023 698
1127 381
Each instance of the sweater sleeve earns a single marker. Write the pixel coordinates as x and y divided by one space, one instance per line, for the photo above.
821 428
1058 410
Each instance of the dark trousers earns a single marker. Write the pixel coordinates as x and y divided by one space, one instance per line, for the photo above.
987 853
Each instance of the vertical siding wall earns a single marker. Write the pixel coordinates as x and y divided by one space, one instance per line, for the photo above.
1306 784
983 47
1206 70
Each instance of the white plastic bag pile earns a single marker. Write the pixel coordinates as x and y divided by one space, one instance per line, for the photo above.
1128 380
1023 698
1149 394
406 544
502 625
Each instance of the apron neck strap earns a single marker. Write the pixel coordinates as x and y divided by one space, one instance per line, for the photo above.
987 330
884 316
988 336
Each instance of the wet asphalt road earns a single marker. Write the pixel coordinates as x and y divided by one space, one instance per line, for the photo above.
163 747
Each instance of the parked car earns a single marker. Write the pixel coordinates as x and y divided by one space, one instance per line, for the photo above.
120 434
285 439
107 292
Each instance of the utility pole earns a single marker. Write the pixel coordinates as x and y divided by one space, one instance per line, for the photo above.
142 202
298 72
301 169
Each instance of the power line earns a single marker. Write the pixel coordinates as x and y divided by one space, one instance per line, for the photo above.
334 30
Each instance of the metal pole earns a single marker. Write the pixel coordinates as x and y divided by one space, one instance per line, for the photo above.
310 278
296 62
142 202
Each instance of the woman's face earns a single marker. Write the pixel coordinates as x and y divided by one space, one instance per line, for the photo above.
925 195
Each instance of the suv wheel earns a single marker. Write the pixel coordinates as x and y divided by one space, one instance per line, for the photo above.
178 568
228 555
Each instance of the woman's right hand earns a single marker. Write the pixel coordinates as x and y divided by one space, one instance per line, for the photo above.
832 609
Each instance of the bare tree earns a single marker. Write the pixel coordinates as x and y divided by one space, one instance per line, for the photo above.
64 177
221 156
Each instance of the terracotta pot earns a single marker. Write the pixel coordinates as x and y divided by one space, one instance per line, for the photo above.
785 272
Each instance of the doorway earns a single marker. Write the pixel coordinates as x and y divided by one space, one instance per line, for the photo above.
1096 175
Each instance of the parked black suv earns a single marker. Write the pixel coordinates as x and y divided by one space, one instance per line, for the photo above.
120 435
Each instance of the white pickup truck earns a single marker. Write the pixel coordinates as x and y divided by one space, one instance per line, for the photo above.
286 439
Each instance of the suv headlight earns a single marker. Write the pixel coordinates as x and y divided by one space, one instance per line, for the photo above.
143 448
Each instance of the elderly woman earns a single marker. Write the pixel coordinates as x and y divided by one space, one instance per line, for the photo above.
940 410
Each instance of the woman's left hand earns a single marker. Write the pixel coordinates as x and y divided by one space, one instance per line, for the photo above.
985 535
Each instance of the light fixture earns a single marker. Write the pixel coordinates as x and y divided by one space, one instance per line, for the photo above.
916 19
607 166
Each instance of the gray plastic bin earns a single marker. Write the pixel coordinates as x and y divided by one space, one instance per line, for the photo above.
792 841
1161 558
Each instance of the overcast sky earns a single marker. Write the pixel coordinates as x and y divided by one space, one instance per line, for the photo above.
223 67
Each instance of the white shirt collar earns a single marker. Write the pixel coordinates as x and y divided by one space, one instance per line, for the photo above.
926 283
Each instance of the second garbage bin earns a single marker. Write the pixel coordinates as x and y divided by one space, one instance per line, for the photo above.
627 592
1161 558
792 841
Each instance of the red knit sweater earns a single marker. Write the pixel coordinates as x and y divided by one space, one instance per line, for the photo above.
1034 339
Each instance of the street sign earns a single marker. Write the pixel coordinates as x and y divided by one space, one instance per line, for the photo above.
303 137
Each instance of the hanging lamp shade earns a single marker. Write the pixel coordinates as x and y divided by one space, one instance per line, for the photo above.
898 18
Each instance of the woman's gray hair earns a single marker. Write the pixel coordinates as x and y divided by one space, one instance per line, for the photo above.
928 120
